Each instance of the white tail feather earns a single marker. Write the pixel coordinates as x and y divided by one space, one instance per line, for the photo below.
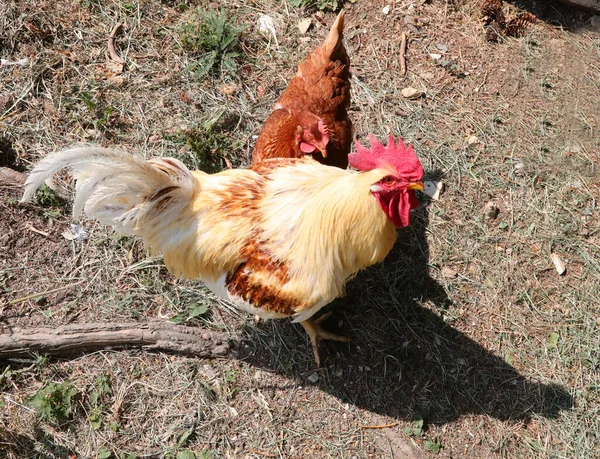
118 188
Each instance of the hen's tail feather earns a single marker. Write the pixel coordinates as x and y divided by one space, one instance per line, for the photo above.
335 36
120 189
331 50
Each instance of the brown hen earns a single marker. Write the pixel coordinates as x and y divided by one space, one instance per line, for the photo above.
310 116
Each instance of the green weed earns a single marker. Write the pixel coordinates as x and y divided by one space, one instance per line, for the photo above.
46 197
54 402
99 396
212 145
213 39
322 5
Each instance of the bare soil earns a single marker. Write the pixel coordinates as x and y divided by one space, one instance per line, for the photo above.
465 337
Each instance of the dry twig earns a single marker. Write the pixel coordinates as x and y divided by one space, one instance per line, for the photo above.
403 54
383 426
262 453
47 292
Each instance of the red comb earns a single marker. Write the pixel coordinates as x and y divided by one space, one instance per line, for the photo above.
400 159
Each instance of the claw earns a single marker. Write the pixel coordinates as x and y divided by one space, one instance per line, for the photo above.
316 333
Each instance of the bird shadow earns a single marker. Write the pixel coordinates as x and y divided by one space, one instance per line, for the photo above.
405 360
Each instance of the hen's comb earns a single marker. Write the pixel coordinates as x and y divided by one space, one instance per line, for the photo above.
396 157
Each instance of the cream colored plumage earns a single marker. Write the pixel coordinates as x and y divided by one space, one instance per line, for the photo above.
278 240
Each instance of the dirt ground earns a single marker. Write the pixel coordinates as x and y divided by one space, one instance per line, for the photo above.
466 342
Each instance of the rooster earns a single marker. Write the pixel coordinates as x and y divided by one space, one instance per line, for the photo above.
278 240
310 116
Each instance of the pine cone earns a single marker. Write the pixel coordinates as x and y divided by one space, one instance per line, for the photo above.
493 32
516 27
491 11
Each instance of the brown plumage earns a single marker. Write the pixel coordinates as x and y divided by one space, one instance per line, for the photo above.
310 116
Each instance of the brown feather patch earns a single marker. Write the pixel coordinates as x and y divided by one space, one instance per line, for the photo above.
259 281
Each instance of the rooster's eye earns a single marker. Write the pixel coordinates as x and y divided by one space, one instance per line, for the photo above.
388 180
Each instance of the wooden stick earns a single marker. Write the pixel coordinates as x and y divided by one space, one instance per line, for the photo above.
111 44
262 453
163 336
383 426
30 227
47 292
403 54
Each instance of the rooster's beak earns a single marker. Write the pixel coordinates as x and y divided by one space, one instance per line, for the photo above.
417 186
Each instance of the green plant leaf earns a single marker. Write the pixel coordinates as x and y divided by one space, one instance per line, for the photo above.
179 318
417 426
433 446
198 310
203 65
114 426
186 454
95 418
54 402
553 340
104 453
214 38
210 122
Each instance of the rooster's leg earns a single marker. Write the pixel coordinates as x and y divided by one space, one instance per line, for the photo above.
317 333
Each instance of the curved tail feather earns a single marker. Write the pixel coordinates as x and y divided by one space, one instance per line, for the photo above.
135 196
335 36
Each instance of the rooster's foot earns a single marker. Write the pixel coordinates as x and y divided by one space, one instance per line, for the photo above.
317 333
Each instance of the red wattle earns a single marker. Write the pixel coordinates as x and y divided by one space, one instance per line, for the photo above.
306 148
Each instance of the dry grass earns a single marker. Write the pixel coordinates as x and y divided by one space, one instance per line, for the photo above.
466 325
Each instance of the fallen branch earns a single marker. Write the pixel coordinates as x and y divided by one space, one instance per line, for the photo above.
403 54
11 177
158 336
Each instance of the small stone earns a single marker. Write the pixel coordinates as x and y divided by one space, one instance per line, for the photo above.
449 273
433 189
228 89
304 25
386 10
11 176
473 140
558 264
412 93
313 378
519 169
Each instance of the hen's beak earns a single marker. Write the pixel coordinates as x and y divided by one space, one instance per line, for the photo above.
417 186
323 151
